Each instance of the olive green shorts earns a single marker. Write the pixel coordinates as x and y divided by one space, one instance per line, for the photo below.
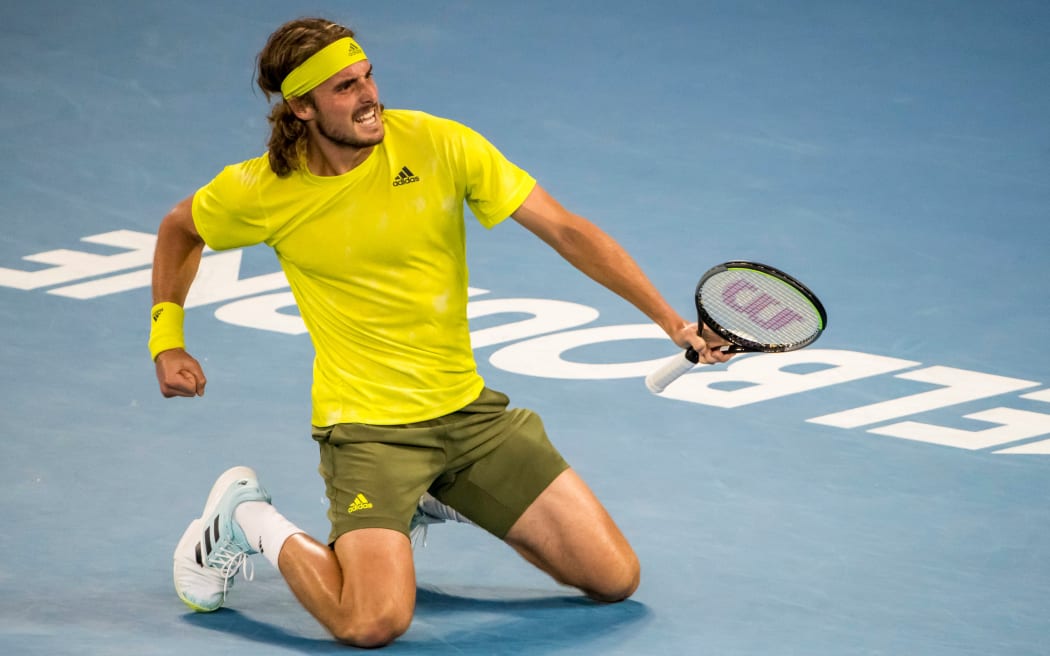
486 461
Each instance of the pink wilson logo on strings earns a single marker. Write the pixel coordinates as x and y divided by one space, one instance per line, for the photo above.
740 296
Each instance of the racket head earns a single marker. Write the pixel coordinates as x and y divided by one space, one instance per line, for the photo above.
758 308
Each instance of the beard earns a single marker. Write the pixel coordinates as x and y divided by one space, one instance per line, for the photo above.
339 134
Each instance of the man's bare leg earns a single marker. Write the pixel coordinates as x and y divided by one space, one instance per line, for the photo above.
567 533
363 592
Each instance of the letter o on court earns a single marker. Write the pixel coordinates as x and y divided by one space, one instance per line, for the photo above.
542 356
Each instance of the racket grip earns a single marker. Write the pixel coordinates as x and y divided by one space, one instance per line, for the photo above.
668 372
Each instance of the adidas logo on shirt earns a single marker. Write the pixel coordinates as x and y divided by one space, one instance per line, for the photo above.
405 176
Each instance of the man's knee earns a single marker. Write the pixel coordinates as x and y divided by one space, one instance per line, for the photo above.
619 582
363 629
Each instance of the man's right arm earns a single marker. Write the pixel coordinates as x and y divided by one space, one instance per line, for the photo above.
175 262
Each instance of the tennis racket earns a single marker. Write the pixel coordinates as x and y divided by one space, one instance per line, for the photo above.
754 307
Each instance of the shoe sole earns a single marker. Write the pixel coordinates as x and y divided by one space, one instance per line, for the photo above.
192 531
225 480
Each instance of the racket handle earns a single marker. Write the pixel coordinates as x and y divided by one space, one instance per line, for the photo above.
668 372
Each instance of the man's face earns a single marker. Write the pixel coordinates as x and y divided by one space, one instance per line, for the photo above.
346 107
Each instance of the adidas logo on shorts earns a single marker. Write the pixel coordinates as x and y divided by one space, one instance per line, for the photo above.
360 503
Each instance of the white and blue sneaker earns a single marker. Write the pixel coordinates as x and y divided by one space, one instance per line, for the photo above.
214 548
431 511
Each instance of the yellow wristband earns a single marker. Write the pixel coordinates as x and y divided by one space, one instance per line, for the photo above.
165 328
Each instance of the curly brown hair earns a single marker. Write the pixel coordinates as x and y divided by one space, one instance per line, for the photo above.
288 47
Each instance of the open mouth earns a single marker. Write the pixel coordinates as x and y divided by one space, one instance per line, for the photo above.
367 117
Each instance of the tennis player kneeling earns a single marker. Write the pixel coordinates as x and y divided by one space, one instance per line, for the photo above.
363 206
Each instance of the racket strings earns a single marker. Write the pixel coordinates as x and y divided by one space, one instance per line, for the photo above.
759 308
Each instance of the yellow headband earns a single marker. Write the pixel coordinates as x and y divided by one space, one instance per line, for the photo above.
320 66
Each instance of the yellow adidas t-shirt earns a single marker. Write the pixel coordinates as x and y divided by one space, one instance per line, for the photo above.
376 260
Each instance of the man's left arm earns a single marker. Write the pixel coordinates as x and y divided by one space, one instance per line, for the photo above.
591 250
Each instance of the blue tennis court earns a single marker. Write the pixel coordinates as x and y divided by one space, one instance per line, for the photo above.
886 491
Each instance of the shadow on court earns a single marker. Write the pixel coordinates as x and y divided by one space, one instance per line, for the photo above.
473 621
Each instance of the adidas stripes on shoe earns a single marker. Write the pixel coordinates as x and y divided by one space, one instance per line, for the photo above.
213 549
